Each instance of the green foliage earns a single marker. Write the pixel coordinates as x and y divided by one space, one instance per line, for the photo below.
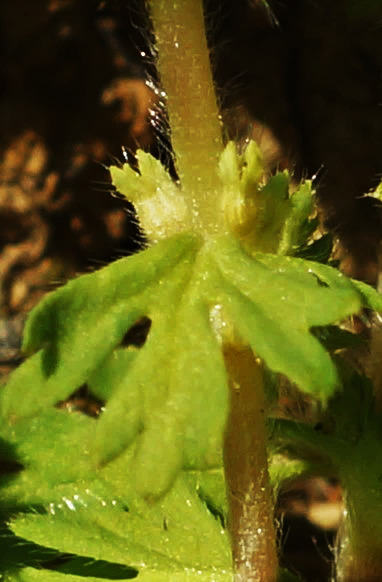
166 403
350 427
32 575
161 208
177 535
197 294
347 444
100 516
261 211
139 492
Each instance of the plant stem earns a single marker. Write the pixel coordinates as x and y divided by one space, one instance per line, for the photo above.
360 551
375 353
360 558
184 68
185 72
246 468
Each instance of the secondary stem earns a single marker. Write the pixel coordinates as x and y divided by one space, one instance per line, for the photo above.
185 71
360 552
246 468
360 555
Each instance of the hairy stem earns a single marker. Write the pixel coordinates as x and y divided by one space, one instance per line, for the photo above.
185 71
360 538
360 558
246 467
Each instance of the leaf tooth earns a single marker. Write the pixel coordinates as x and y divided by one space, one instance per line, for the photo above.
84 299
119 424
159 456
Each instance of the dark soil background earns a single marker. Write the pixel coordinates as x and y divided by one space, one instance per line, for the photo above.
305 81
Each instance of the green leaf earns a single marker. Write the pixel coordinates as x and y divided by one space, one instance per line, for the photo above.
177 536
160 204
274 301
209 576
273 201
297 225
76 327
54 449
31 575
346 443
99 516
372 299
170 397
38 575
350 427
211 488
255 210
16 552
110 375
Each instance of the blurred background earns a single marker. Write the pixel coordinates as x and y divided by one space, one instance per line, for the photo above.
77 85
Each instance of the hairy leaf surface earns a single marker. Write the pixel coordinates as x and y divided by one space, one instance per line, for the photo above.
101 517
32 575
170 397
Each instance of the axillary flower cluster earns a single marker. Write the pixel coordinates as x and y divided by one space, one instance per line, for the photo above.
262 213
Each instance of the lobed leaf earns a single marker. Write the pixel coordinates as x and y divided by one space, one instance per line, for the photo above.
99 517
38 575
78 325
37 443
297 226
177 536
275 300
160 204
169 398
32 575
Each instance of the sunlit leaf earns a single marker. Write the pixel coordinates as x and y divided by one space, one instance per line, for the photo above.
103 519
39 575
77 326
32 575
175 385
